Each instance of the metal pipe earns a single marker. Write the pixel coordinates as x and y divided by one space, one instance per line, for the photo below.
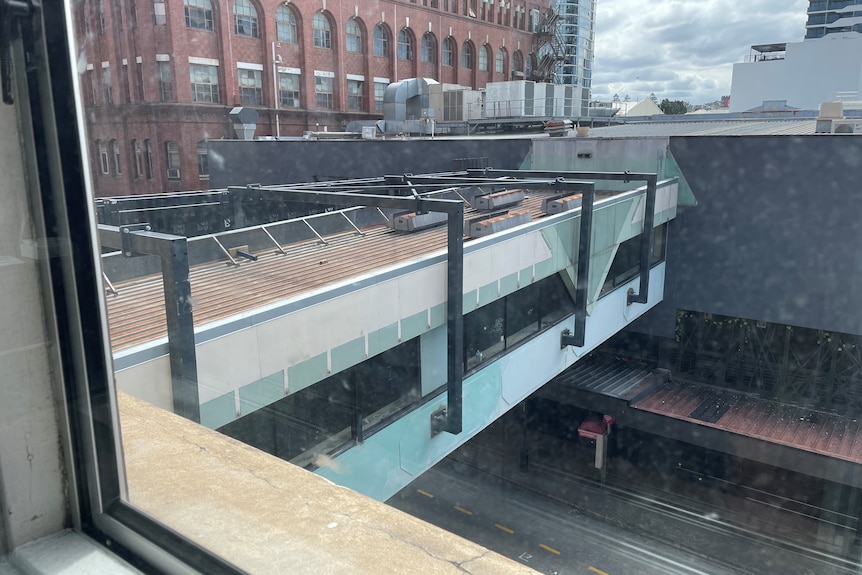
323 241
227 253
277 245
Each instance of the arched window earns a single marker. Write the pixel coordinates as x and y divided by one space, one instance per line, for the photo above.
516 62
285 24
354 36
528 65
483 58
500 61
245 19
199 14
467 56
429 48
322 32
405 45
448 52
381 41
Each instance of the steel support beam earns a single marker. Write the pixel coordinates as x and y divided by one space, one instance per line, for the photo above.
582 285
451 420
173 252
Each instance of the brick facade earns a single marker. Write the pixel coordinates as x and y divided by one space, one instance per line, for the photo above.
137 89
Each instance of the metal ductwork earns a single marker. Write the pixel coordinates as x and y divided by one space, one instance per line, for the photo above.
407 99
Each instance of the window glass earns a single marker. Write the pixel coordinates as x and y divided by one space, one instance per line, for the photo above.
166 82
467 56
199 14
405 45
381 41
354 95
203 161
250 87
483 58
204 81
429 48
499 61
323 93
354 36
245 18
379 92
288 90
448 57
285 23
321 31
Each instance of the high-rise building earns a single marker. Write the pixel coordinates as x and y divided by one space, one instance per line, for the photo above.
833 16
160 78
576 31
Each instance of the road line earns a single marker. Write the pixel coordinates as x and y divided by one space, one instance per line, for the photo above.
504 528
425 493
598 571
551 549
464 511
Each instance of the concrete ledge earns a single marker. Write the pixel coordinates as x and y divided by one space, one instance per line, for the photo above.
268 516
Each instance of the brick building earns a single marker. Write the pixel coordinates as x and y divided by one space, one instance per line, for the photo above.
159 77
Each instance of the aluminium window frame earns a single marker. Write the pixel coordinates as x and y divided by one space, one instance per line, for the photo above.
62 209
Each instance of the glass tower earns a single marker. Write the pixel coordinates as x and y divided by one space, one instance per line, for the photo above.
833 16
576 31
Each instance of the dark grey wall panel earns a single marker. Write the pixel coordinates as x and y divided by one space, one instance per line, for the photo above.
776 234
277 162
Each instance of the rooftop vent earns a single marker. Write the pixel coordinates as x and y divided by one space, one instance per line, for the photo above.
497 200
560 204
244 122
413 222
496 222
829 113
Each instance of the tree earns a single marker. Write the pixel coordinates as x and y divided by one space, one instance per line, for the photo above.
674 106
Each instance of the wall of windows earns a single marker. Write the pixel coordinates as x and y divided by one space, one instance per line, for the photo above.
337 412
204 81
496 327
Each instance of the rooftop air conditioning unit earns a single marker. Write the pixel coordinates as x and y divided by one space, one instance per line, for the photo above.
173 173
846 127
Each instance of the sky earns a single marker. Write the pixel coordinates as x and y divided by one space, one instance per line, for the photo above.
684 49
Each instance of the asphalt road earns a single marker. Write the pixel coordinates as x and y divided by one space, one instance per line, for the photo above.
548 536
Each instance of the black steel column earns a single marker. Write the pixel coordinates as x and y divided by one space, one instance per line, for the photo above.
647 238
455 319
582 285
181 332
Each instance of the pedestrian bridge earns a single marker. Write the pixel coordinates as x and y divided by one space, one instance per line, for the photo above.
368 353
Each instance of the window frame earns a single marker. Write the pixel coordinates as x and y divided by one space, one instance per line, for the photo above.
250 84
405 45
353 36
327 97
287 25
428 51
214 95
74 297
447 51
483 58
293 100
199 15
321 35
381 41
356 95
467 57
245 20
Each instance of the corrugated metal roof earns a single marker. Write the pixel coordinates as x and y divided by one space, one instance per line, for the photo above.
137 314
708 128
815 431
612 377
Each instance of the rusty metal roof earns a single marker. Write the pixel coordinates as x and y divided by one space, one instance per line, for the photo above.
137 314
815 431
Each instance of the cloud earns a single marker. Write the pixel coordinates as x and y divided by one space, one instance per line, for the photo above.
684 49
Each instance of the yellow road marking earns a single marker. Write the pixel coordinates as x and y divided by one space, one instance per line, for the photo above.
503 528
425 493
551 549
462 510
598 571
